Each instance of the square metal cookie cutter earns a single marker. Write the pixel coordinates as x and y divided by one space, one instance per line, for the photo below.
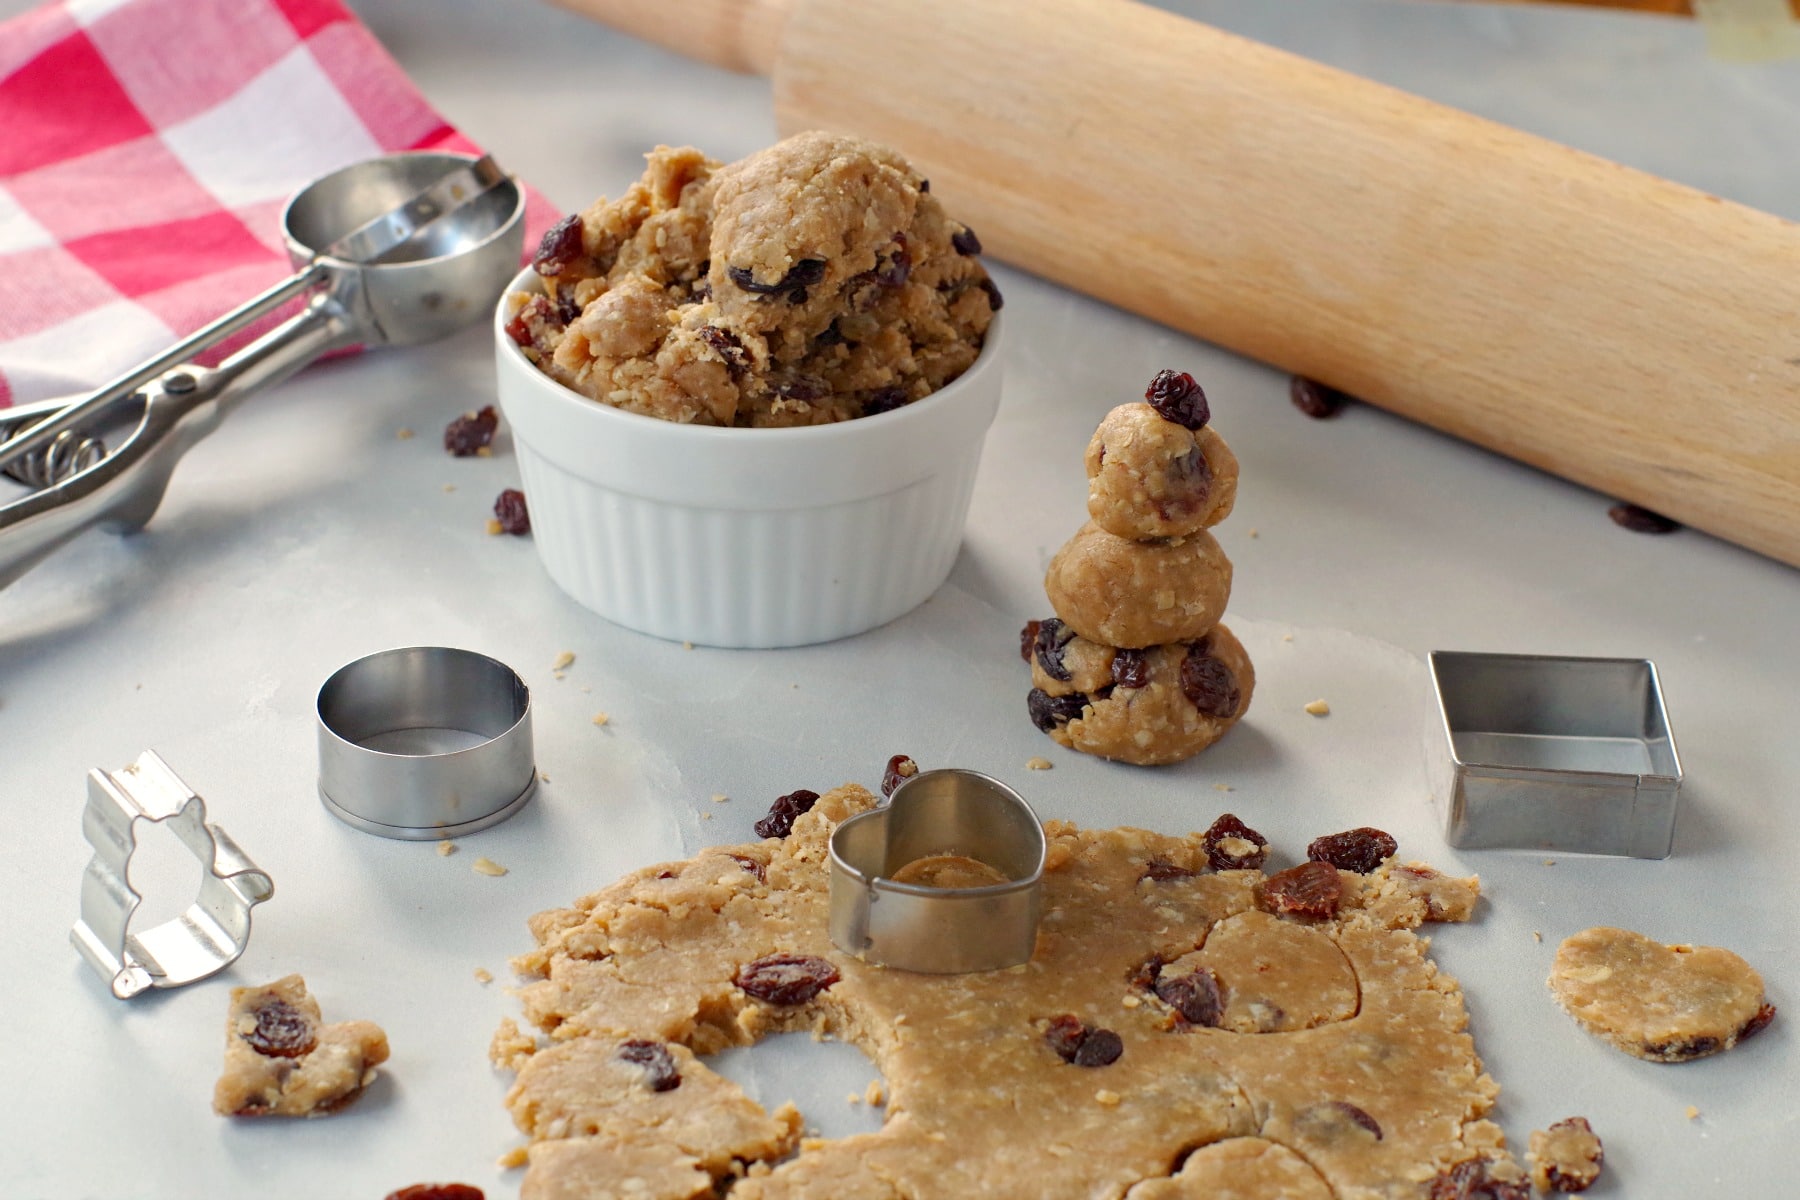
948 816
203 940
1556 753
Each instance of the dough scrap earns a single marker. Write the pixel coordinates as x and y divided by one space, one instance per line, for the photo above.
1565 1157
979 1102
280 1060
1657 1002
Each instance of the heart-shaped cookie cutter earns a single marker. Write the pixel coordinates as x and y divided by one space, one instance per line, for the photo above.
939 930
203 940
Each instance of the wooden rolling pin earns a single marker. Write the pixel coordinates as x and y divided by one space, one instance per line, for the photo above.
1622 331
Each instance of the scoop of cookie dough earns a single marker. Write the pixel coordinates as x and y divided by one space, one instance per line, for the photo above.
814 281
280 1060
1149 477
1120 592
1663 1003
1148 707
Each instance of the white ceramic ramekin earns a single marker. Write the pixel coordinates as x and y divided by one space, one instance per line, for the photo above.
745 537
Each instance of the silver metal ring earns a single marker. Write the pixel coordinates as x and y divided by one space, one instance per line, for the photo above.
425 742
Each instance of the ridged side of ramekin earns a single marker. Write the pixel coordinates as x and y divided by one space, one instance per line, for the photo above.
746 538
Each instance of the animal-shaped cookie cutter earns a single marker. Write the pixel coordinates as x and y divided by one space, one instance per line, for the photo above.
940 819
203 940
1556 753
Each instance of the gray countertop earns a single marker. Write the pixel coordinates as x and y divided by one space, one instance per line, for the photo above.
305 533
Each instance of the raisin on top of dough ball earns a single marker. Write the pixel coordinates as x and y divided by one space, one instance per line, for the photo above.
1178 398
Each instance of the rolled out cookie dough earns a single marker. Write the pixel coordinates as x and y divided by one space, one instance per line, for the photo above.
1136 594
1380 1099
1181 708
1663 1003
1152 478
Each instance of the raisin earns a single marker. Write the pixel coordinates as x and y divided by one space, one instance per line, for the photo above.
560 248
900 768
1198 997
437 1191
660 1072
1359 850
1053 712
1223 858
883 400
1065 1034
472 432
510 511
1053 639
567 307
924 186
965 242
519 328
799 277
780 821
1315 399
831 335
1099 1048
1176 397
786 979
797 296
995 300
754 866
281 1031
1311 889
1757 1023
1028 639
1159 871
1358 1116
899 264
1130 668
803 387
1209 684
729 347
1471 1180
1640 520
1682 1049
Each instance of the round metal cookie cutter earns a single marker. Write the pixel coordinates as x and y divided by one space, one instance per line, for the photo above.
425 742
947 817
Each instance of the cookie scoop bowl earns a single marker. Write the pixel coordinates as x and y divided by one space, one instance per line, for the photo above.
745 538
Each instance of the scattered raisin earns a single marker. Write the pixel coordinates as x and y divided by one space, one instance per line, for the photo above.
1223 858
900 768
729 347
660 1072
471 432
883 400
1065 1034
1209 684
509 509
995 300
1311 889
1359 850
1159 871
437 1191
1053 712
1028 639
1199 997
1472 1180
281 1031
1358 1116
1130 668
1176 397
752 865
780 821
1757 1023
1315 399
965 242
560 248
1052 639
786 979
1640 520
800 276
1099 1048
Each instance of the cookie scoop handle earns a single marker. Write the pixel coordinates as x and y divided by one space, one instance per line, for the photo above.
1616 329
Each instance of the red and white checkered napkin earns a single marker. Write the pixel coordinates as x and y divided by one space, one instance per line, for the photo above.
147 148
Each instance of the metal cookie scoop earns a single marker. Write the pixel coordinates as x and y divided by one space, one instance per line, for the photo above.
946 878
394 251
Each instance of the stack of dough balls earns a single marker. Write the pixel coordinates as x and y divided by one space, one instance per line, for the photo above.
1135 665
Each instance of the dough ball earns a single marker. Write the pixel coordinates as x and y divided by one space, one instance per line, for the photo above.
1132 594
1152 478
